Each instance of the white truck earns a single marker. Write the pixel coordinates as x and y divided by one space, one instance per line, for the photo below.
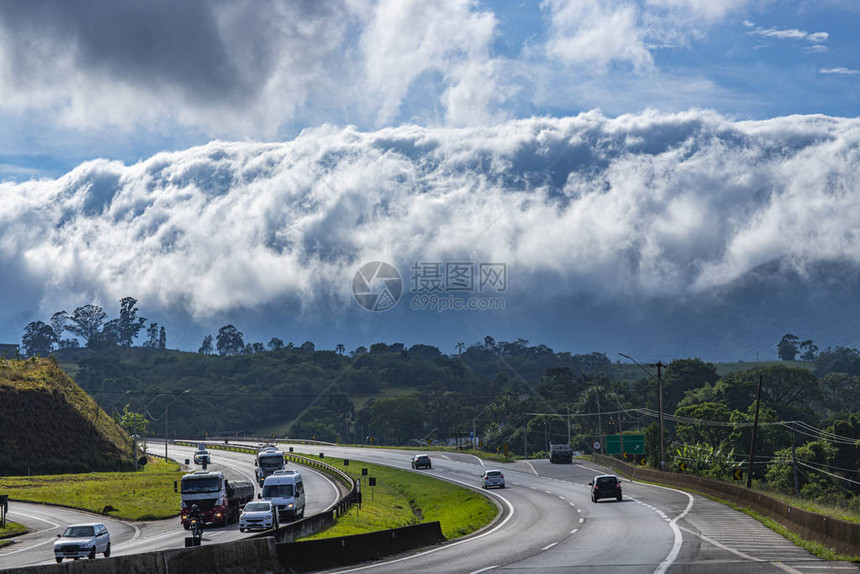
286 491
269 459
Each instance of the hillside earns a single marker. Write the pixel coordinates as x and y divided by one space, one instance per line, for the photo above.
50 425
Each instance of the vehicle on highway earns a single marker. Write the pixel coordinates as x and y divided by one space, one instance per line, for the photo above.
605 486
421 461
493 478
201 456
560 454
82 541
218 499
286 491
269 459
258 515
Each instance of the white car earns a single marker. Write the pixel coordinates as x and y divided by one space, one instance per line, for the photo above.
258 515
202 456
493 478
82 541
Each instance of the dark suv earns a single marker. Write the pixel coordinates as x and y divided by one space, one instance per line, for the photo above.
605 486
421 461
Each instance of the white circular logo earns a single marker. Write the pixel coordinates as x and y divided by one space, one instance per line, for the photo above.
377 286
596 445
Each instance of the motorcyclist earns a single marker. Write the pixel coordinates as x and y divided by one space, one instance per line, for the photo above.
196 515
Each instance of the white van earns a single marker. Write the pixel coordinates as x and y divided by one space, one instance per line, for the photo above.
287 492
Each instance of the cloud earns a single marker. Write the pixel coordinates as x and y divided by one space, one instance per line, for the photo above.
642 206
840 71
211 66
816 38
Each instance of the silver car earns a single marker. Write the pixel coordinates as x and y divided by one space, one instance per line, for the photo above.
493 478
259 515
82 541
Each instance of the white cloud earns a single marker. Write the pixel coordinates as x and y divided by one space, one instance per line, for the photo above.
644 205
596 32
816 38
841 71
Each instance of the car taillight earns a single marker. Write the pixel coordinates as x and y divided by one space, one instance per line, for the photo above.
618 485
501 476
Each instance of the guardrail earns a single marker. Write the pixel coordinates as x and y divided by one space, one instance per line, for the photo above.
311 524
839 535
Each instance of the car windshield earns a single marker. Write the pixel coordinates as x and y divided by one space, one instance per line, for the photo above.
606 481
203 484
278 491
79 532
272 461
422 457
257 507
494 474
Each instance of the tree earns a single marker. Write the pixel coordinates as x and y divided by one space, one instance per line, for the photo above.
108 336
86 322
361 350
424 352
162 338
132 422
258 348
460 346
151 337
275 344
838 360
340 349
308 346
59 324
683 375
129 324
489 343
810 350
787 347
377 348
38 339
206 347
700 433
229 341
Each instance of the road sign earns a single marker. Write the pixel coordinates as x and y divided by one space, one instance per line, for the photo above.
346 462
682 466
634 443
642 461
596 445
505 448
371 481
363 472
738 474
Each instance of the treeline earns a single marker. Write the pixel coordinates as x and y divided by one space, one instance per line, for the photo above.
90 324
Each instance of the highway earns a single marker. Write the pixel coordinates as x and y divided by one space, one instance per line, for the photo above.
132 537
547 524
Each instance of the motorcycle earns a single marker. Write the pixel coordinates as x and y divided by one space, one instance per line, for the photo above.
196 533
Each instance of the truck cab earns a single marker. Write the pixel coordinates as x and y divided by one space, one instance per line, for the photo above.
269 460
217 499
287 492
560 453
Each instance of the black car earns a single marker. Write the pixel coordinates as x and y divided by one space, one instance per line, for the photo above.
421 461
605 486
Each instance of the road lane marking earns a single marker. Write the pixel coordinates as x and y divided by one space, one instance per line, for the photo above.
581 520
745 556
531 467
483 570
574 531
548 546
679 538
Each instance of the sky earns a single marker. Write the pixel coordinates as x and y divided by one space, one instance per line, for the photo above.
667 178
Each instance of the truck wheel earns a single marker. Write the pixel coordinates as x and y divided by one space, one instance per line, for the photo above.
107 551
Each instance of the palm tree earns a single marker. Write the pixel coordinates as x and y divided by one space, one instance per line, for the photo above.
460 347
340 349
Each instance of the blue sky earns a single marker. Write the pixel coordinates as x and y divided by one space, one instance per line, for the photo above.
518 121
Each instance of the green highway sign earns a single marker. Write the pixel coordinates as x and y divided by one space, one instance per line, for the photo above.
633 444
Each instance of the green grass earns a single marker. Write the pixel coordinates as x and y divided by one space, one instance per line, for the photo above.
402 498
12 529
832 510
143 495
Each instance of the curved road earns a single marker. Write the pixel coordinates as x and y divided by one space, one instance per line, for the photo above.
551 525
130 537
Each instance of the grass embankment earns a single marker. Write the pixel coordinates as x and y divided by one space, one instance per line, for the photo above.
12 529
426 448
142 495
402 498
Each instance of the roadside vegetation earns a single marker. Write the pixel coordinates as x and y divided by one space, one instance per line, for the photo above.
143 495
12 529
402 498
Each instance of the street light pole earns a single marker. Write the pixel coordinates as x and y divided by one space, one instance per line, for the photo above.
620 430
659 365
568 426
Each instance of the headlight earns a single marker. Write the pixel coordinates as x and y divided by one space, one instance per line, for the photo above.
290 505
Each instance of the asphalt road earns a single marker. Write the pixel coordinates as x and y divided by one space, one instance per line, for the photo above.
130 537
550 525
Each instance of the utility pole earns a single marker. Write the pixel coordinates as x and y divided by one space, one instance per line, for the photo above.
620 430
165 432
794 465
526 441
755 429
660 366
600 425
568 426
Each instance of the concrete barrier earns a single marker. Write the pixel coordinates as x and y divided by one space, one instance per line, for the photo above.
238 557
841 536
311 555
